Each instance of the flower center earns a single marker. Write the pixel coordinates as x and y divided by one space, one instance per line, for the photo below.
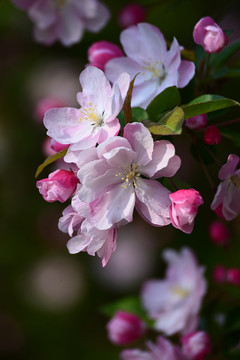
90 114
236 180
156 69
130 176
180 291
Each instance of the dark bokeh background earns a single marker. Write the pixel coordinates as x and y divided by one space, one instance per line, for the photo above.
50 301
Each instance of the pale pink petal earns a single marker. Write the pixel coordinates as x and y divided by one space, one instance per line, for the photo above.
46 36
115 67
109 246
186 72
70 27
229 168
199 29
173 57
24 4
108 130
43 14
111 144
145 92
99 21
135 354
78 243
152 202
120 158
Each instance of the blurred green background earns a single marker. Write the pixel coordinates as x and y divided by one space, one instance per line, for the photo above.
50 303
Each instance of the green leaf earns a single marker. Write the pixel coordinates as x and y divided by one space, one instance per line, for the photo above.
220 58
130 304
121 118
170 124
207 103
232 73
166 100
230 134
49 160
139 114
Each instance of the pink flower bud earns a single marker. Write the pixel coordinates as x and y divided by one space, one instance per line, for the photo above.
196 122
219 274
46 104
233 276
59 186
56 146
196 345
124 328
208 34
219 233
184 208
46 147
212 135
131 14
101 52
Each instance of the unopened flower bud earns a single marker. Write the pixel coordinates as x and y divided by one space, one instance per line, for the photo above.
46 104
196 122
124 328
183 209
219 233
101 52
59 186
131 14
208 34
233 276
212 135
196 345
219 274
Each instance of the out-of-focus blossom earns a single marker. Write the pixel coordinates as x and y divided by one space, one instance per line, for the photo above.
219 274
233 276
212 135
227 198
183 209
87 237
59 185
124 328
196 345
46 147
64 20
219 233
112 180
56 146
163 350
101 52
208 34
174 302
147 56
131 14
96 120
196 122
46 104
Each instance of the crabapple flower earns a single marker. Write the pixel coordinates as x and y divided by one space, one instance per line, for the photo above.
163 350
147 56
208 34
212 135
196 345
174 302
96 120
112 181
59 186
101 52
131 14
184 209
227 198
124 328
86 236
219 233
64 20
196 122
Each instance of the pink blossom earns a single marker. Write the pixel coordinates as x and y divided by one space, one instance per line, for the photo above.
84 236
131 14
208 34
184 209
124 328
219 233
196 345
212 135
59 186
233 276
227 198
147 56
101 52
196 122
219 274
64 20
174 302
163 350
46 104
56 146
96 120
112 182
